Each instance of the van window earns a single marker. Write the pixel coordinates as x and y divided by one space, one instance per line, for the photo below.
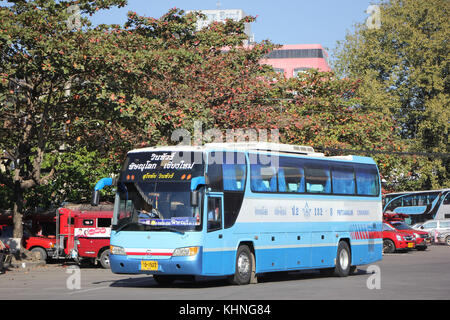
429 225
444 224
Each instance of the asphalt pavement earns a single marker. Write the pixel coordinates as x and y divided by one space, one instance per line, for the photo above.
413 275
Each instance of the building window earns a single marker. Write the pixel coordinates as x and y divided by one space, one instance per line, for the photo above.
295 53
279 71
300 70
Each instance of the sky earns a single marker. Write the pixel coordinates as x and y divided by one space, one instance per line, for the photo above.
281 21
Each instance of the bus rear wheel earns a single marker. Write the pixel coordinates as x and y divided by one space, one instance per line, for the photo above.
343 260
244 266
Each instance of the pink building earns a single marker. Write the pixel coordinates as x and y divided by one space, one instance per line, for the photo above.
294 58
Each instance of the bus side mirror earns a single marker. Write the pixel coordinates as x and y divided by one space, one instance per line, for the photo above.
194 198
95 198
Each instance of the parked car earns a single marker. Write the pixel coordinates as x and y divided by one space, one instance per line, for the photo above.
443 237
417 226
395 240
44 246
422 238
436 225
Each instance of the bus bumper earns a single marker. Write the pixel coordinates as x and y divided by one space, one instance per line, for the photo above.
123 264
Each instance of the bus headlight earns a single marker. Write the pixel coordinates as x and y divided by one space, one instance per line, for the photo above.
185 252
116 250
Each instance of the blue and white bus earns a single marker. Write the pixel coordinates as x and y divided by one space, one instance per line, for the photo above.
420 206
243 209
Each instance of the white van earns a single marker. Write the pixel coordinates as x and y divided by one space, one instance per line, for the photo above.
431 226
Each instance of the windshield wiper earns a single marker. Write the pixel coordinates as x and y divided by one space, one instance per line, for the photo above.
169 229
126 224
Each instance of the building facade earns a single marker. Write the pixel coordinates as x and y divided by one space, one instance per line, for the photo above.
294 58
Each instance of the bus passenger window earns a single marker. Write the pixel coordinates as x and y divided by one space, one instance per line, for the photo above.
263 178
367 180
318 179
291 176
233 177
291 180
343 180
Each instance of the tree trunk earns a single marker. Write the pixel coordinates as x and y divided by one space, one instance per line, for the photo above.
18 214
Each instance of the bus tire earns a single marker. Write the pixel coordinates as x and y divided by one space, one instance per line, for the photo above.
244 266
343 260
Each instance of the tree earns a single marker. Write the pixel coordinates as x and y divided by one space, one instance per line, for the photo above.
321 110
177 75
68 93
404 69
47 78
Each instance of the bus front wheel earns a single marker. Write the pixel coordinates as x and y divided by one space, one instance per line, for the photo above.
244 266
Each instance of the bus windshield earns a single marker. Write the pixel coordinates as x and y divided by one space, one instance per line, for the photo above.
154 193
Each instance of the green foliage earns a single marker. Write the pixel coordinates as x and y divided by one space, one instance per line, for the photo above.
75 98
78 171
71 93
404 68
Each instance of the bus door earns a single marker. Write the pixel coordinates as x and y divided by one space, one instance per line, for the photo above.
214 239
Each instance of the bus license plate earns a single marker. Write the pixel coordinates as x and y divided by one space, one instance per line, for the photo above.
410 245
149 265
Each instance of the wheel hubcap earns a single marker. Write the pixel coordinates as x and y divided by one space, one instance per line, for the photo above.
243 264
344 259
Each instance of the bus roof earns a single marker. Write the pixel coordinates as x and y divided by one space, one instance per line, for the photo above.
266 147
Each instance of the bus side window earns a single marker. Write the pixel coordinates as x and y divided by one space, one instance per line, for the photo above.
263 178
367 180
291 176
215 174
343 180
234 171
318 178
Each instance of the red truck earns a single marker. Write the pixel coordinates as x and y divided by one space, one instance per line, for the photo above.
81 232
395 240
397 221
44 246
